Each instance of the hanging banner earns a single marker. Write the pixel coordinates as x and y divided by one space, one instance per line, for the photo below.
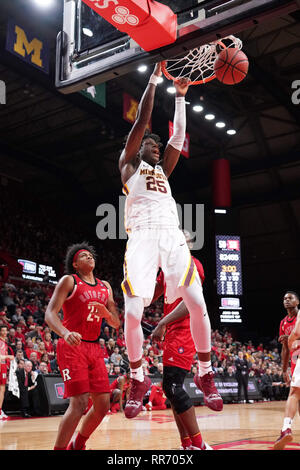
130 108
28 46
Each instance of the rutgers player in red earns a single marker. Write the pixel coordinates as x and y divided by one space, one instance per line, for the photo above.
289 334
6 355
119 390
85 301
157 398
178 354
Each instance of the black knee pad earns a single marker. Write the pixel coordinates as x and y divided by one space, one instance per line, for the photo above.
173 387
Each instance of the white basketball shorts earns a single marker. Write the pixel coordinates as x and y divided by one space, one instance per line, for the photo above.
150 249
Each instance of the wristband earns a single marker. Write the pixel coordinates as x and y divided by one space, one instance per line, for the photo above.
154 79
66 334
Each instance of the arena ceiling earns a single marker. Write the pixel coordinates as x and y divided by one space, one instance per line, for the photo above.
65 148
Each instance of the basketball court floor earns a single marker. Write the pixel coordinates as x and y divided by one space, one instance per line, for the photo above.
243 427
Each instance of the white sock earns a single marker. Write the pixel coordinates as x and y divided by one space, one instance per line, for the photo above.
137 374
287 423
204 367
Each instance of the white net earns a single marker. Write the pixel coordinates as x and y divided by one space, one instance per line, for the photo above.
198 64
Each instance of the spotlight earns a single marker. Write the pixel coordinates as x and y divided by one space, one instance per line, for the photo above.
44 3
160 80
142 68
210 117
87 32
171 89
231 132
220 124
198 108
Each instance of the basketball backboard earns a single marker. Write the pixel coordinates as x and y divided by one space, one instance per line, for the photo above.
91 51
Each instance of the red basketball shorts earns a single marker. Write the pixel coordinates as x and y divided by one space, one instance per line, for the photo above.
82 368
178 350
3 374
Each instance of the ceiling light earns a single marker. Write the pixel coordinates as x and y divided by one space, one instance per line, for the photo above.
231 132
142 68
198 108
171 89
44 3
87 32
160 79
210 117
220 124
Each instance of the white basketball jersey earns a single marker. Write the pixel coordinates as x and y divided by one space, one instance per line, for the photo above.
149 201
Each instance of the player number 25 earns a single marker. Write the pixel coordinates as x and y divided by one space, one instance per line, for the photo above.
153 185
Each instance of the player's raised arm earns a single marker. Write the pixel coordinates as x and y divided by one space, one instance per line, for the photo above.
134 139
175 144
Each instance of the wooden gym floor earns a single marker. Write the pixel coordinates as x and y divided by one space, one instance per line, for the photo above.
238 427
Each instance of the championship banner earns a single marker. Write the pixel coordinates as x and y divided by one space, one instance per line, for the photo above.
185 152
130 108
28 46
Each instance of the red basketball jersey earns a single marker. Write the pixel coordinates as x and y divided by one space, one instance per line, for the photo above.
287 325
3 350
178 345
79 310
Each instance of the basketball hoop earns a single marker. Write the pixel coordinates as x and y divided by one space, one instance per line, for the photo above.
198 64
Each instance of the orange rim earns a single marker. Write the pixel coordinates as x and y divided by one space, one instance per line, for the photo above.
197 82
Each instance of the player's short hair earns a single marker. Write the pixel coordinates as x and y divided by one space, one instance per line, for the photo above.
294 293
155 137
71 250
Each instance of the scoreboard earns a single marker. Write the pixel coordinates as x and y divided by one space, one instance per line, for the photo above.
229 269
229 277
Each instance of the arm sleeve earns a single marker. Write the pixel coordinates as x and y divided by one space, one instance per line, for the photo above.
179 126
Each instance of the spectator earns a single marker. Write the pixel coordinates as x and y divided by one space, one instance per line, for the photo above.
266 385
242 376
43 368
116 358
29 397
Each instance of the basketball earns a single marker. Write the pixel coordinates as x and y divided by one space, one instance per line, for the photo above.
231 66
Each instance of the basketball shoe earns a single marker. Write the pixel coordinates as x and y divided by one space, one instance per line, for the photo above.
212 398
135 401
285 438
204 446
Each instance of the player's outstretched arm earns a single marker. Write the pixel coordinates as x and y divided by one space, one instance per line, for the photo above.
134 140
60 294
179 312
175 144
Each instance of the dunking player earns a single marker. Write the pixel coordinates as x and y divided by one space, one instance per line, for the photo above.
154 237
178 354
85 300
289 335
6 355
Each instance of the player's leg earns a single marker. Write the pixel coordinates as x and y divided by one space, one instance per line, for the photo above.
70 420
183 433
201 332
2 392
91 420
140 270
134 337
291 409
182 406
